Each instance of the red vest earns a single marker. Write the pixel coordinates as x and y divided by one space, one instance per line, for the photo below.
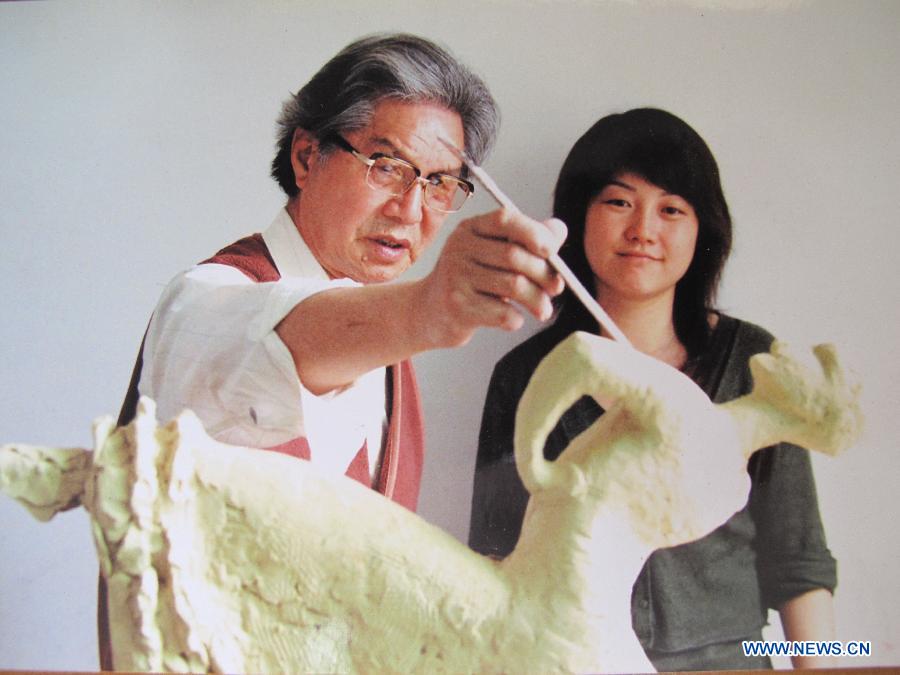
404 451
401 465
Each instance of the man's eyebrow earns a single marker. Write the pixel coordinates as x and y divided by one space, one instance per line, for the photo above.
394 151
386 144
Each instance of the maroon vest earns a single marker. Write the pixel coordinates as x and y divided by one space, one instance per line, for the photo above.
401 465
404 452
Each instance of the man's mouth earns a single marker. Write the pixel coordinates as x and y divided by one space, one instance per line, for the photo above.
387 250
390 242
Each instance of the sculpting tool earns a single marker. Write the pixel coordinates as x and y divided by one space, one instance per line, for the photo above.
555 261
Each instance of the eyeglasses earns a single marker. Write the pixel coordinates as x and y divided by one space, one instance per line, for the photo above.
443 192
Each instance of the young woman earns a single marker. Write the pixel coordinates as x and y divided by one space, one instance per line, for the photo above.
649 231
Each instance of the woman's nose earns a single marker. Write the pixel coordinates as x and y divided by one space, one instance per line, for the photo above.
644 226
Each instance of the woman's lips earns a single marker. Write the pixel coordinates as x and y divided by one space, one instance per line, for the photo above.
638 255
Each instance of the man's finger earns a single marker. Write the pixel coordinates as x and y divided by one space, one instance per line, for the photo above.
518 228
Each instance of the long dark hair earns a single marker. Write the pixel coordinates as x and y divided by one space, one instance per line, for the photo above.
666 151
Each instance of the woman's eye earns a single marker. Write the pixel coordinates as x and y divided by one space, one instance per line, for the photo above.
613 201
672 211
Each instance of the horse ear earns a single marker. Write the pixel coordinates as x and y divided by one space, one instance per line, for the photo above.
44 480
565 375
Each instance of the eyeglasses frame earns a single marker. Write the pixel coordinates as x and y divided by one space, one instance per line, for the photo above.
344 144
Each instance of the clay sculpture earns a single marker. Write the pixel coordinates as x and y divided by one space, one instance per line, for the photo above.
222 558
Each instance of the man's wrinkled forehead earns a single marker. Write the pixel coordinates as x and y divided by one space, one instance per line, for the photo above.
411 131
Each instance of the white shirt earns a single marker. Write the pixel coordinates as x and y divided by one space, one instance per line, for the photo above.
212 347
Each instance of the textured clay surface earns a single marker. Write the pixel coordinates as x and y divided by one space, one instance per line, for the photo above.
221 558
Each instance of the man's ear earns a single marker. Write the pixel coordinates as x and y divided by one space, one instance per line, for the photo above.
303 145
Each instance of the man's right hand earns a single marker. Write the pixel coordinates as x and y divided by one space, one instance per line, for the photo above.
492 268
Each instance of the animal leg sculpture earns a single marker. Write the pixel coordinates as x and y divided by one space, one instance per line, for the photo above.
230 559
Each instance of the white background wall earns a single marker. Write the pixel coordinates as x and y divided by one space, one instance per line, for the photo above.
135 139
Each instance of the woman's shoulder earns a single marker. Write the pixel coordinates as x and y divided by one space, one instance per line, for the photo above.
724 372
743 336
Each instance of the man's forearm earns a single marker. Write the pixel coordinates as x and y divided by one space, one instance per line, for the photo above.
338 335
493 269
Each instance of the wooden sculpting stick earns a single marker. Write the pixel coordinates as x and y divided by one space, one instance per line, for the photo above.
555 261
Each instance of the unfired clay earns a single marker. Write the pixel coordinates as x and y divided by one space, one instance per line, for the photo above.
230 559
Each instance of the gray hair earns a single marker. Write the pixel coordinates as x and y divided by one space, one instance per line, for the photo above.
342 95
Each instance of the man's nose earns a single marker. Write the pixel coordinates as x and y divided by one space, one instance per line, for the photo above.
407 207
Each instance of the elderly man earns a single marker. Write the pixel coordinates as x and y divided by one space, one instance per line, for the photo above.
287 340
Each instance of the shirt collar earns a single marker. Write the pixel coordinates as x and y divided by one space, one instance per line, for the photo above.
291 254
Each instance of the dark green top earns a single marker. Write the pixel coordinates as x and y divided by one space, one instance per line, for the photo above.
693 604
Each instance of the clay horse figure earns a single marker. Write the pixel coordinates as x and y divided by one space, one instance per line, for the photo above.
221 558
